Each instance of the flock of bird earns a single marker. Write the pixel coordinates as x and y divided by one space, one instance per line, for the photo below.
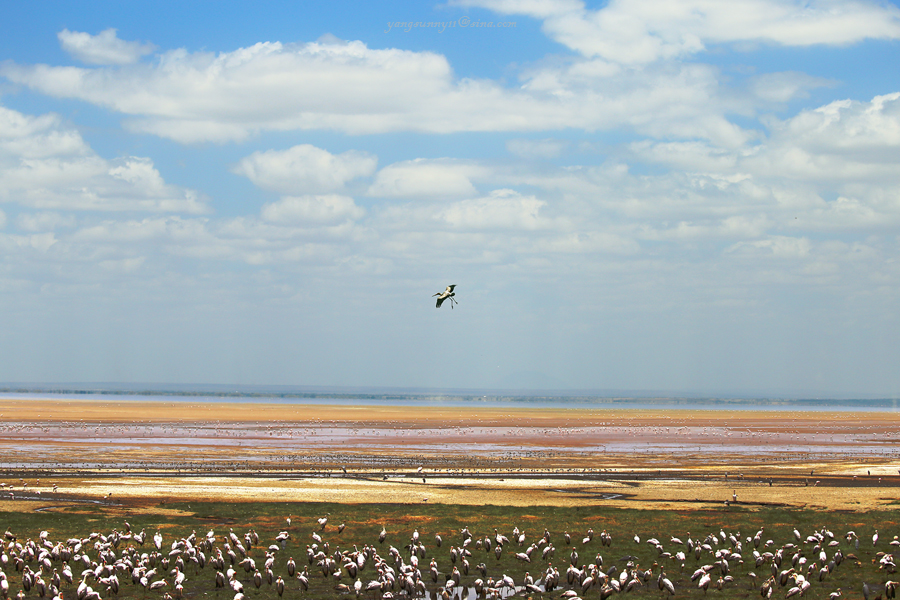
103 565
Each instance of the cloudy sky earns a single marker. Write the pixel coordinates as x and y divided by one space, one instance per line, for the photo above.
689 196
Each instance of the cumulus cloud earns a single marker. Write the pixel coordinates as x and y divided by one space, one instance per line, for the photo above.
532 149
831 167
726 182
636 32
312 210
42 241
776 246
133 230
269 86
589 242
305 169
34 138
784 86
105 48
194 97
501 209
301 230
43 221
738 226
628 74
425 178
848 126
123 265
693 156
842 142
671 100
45 165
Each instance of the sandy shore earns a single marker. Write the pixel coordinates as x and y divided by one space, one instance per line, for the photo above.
141 451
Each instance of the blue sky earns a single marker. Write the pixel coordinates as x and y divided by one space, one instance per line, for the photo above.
680 196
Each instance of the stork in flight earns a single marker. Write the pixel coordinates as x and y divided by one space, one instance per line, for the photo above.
448 293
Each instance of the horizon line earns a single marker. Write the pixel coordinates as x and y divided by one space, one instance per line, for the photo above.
300 391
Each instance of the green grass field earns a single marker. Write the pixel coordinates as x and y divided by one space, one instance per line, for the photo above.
95 527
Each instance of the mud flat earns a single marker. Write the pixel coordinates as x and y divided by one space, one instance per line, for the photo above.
113 451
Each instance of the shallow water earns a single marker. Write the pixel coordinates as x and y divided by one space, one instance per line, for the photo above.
193 446
661 434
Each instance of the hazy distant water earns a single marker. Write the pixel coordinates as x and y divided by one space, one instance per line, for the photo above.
452 398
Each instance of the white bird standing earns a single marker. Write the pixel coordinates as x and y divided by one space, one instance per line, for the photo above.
448 293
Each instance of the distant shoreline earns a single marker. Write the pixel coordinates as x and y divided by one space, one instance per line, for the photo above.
450 399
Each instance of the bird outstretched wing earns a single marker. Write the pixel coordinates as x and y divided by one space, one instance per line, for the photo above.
447 293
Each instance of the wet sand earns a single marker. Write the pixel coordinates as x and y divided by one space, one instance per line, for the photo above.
169 451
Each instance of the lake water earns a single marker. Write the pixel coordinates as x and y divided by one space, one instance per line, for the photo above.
29 443
450 400
256 394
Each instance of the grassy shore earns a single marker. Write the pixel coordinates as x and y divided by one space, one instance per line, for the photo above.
363 522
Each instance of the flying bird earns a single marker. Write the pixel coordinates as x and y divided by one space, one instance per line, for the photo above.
448 293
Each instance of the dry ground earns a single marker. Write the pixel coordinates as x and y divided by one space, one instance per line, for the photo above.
139 452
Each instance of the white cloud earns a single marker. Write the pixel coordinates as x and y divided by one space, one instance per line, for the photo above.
425 178
44 165
123 265
40 137
776 246
105 48
43 221
668 100
628 76
501 209
833 146
691 156
589 242
354 89
270 86
305 169
316 230
738 226
312 210
144 230
531 149
636 32
42 241
784 86
833 167
849 127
